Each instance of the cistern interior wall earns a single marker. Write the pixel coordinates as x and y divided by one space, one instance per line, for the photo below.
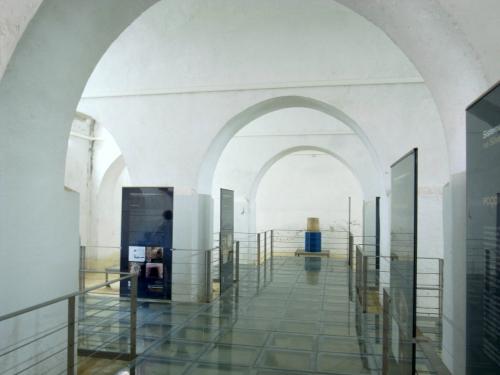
300 178
158 118
173 81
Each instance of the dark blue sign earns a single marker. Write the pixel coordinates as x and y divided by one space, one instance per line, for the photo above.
483 235
146 240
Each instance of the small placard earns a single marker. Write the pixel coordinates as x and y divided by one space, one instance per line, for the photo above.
136 253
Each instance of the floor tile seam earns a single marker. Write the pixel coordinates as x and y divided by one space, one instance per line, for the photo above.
99 298
80 361
163 336
108 300
85 325
187 363
98 347
258 364
100 334
104 332
160 340
198 312
261 351
205 345
370 344
239 345
117 313
153 316
98 320
209 346
171 334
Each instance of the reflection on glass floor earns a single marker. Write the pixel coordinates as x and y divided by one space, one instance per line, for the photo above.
281 321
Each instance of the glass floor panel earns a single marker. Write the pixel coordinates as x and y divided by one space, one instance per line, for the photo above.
292 341
152 367
196 333
219 369
231 354
243 337
292 321
338 364
287 360
177 349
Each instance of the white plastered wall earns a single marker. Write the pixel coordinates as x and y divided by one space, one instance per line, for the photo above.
308 184
39 92
78 172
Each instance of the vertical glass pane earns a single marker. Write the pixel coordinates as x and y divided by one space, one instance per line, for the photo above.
371 240
226 239
403 265
483 235
369 226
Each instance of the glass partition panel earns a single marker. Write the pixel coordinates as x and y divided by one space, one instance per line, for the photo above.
402 311
371 235
483 235
226 239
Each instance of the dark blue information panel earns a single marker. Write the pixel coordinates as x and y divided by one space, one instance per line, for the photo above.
483 235
226 262
402 313
146 240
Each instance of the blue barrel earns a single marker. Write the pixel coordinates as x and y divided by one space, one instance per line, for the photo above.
313 242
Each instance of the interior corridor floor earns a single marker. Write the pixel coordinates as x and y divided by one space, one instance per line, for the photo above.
283 319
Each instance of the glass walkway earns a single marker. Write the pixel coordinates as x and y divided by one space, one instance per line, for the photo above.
294 316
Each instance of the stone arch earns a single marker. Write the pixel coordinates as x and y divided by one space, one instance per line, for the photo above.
113 171
284 153
243 118
265 168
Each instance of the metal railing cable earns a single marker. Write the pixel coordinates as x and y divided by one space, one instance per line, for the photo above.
372 287
28 361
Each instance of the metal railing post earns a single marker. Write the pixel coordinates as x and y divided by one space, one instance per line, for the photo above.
237 271
258 250
70 369
208 275
359 264
386 333
272 244
133 316
265 256
272 253
83 266
440 291
365 283
349 281
350 249
265 248
221 261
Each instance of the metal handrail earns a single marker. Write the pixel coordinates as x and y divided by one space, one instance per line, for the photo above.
72 321
60 299
432 308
